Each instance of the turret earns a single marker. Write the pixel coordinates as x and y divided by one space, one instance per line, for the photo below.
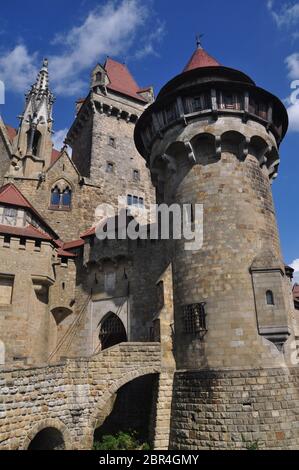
211 138
32 147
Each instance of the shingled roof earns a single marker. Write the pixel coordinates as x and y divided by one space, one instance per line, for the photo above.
200 58
121 80
10 195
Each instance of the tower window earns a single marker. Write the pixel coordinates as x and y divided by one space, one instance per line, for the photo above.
112 141
67 198
136 175
270 297
61 197
36 143
194 318
201 102
135 201
110 167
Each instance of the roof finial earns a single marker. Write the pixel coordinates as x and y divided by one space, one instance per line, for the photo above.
45 63
198 41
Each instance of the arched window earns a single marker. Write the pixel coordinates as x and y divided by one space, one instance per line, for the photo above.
270 297
67 198
112 331
61 196
36 143
55 197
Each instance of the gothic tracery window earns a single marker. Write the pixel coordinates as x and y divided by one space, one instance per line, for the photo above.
61 196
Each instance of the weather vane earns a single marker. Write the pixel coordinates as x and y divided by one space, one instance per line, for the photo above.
198 40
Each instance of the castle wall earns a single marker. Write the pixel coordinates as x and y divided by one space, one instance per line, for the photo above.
241 409
134 298
24 317
69 397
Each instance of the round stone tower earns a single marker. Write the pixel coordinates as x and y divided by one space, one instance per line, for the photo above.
211 140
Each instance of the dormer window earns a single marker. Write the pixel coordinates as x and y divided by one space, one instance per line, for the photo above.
9 216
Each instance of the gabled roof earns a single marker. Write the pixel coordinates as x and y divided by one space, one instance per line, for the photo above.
121 80
10 195
26 232
200 58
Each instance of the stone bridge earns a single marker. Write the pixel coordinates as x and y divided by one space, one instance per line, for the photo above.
72 397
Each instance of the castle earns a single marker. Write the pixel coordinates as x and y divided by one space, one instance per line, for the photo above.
195 349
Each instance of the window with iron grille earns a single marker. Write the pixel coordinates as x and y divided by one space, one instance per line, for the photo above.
194 316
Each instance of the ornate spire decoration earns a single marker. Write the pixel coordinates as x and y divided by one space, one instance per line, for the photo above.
198 41
34 140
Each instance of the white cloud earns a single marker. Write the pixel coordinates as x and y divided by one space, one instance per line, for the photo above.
149 47
286 15
108 30
292 62
295 266
292 102
58 138
17 68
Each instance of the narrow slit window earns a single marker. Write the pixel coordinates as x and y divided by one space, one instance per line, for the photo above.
270 297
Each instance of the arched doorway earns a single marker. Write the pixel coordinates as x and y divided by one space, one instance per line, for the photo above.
47 439
130 410
112 331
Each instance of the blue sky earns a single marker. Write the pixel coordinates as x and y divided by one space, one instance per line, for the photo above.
156 38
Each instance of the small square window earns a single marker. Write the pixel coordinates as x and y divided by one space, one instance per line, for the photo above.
112 141
110 167
6 289
136 175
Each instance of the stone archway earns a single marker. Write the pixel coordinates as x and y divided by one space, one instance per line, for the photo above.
50 434
105 403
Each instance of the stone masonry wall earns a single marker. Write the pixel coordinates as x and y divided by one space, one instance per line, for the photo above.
236 409
69 397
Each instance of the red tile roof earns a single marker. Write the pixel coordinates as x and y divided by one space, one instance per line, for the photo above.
73 244
28 232
11 131
55 155
10 195
91 231
201 58
121 79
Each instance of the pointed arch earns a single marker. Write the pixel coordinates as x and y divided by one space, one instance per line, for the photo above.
111 331
61 195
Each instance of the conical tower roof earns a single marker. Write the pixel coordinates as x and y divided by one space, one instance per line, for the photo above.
200 58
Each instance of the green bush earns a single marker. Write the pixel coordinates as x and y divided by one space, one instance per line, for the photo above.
121 441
